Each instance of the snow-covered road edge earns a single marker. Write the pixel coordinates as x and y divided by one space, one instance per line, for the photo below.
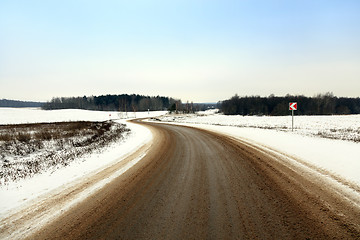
18 195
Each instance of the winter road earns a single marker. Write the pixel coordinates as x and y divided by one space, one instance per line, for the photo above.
194 184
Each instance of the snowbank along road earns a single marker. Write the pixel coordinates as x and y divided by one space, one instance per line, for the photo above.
195 184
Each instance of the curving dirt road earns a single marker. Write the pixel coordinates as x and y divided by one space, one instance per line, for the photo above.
195 184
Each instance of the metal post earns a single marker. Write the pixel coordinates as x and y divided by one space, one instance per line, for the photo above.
292 125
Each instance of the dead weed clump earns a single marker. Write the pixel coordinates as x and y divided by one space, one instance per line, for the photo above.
28 149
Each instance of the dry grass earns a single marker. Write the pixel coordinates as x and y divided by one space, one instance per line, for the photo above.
28 149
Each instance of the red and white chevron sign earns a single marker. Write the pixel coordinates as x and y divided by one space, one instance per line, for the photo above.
293 106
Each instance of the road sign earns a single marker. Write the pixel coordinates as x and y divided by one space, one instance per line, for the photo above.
293 106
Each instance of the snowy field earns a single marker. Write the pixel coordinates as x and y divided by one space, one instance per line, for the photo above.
344 127
327 143
23 191
33 115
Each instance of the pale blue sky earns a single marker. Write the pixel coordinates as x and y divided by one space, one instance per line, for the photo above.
194 50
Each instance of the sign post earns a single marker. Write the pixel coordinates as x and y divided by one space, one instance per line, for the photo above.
292 107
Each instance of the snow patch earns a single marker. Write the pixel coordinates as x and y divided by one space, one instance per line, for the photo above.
337 156
24 191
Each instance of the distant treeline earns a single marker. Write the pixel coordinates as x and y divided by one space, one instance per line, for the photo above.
124 103
19 104
322 104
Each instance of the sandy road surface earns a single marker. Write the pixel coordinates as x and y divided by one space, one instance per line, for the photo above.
194 184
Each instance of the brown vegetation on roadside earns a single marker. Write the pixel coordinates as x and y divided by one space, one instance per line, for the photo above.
28 149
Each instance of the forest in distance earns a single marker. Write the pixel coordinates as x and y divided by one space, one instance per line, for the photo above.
321 104
125 103
19 104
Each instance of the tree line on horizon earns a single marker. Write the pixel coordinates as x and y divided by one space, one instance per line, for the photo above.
321 104
123 103
19 104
